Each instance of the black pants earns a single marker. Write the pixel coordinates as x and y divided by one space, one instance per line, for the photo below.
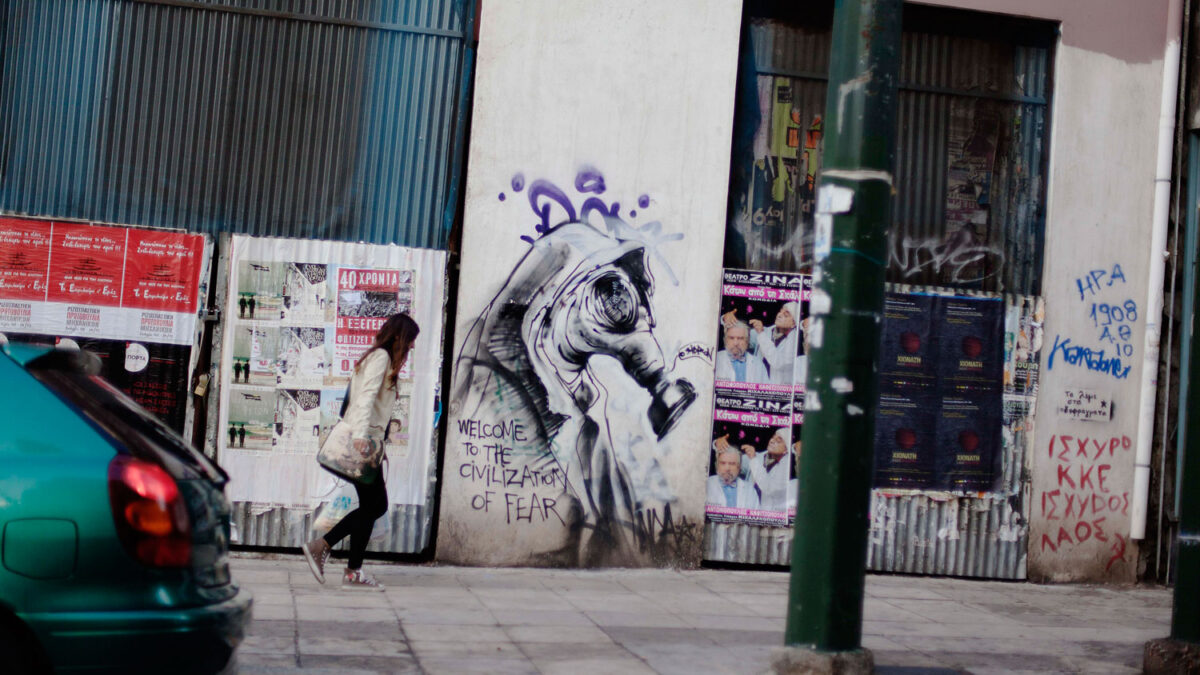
372 503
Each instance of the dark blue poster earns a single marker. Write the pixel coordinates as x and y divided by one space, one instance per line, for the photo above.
970 344
941 377
968 442
905 439
908 350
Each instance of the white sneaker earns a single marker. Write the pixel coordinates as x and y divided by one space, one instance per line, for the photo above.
358 580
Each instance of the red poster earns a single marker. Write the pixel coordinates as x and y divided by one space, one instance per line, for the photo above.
24 252
161 271
86 262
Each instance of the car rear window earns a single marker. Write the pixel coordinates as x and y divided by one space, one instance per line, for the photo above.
73 375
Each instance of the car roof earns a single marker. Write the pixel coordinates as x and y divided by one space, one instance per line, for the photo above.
23 353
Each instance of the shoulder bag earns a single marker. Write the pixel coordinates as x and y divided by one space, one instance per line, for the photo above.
339 457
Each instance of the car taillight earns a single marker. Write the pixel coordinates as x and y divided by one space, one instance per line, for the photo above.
151 519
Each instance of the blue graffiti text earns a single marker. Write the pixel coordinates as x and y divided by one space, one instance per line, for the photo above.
1092 282
1085 357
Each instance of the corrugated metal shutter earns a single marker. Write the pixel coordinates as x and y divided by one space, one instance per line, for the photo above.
283 527
944 79
958 93
316 119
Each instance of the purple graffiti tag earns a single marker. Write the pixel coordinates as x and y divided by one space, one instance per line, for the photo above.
518 182
597 204
644 201
589 180
545 189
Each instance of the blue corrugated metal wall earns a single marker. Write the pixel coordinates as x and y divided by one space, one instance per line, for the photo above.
301 118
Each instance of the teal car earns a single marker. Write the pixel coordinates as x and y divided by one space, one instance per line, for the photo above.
113 530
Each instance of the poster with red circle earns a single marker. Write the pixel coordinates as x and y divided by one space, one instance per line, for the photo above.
906 439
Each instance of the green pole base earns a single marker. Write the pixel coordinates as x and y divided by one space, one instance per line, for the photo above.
806 661
1167 655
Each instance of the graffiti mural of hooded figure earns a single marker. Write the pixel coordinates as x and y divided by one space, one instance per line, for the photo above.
542 355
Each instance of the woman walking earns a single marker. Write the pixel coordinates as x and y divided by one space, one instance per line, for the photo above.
372 396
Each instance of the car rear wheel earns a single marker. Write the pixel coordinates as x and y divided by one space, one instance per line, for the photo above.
231 668
19 649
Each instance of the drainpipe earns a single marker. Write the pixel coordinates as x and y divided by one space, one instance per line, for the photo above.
1158 251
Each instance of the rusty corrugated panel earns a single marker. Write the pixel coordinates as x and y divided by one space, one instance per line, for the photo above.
796 50
943 79
1003 91
956 534
735 542
281 527
314 119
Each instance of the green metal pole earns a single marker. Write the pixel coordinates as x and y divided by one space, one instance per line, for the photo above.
854 209
1185 615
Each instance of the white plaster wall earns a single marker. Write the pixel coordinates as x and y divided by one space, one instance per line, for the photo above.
1101 198
642 95
1105 109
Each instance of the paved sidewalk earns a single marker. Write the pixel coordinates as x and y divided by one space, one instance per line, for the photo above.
470 620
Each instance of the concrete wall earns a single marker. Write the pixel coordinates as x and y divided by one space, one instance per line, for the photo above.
594 226
1106 104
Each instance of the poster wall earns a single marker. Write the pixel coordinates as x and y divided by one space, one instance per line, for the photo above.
129 295
581 408
300 313
760 368
941 393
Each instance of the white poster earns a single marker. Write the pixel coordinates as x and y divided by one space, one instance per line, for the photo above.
300 314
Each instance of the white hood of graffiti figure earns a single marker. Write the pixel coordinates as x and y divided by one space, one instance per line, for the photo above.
596 302
567 349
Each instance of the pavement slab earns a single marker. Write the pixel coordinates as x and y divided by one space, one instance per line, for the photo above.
456 620
563 636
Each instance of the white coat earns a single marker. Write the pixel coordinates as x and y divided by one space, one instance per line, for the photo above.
781 356
774 484
371 399
747 498
756 372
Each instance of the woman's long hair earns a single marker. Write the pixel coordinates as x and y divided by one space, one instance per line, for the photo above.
396 337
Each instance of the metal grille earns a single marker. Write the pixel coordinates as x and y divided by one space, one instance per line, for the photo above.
314 119
280 527
972 116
